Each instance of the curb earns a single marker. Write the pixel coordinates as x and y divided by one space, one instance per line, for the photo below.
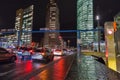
69 67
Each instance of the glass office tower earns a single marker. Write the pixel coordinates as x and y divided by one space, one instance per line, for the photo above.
23 24
18 25
85 20
27 26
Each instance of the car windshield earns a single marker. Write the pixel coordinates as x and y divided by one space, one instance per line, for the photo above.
39 50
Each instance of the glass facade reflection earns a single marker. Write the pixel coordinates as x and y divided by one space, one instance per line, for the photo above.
85 20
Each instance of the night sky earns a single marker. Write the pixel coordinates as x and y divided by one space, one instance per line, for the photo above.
8 11
107 9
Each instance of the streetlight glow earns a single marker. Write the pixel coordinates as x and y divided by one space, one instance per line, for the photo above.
97 17
98 25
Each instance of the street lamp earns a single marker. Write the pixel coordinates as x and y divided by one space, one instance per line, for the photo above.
68 43
98 26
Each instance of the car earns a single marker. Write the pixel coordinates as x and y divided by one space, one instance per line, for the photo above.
58 52
43 54
25 53
68 51
5 55
64 51
23 50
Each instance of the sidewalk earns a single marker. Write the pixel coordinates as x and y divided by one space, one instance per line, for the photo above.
73 73
90 69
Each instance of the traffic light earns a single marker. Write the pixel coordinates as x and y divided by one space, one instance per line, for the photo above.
115 26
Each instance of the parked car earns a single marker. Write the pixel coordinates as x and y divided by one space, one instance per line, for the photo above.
5 55
43 54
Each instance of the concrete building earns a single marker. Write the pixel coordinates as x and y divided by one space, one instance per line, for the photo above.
51 39
110 45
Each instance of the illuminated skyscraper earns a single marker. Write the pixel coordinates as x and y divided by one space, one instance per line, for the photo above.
18 25
26 37
24 22
52 23
85 20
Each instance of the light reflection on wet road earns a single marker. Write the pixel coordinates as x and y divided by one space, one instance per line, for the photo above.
56 71
20 68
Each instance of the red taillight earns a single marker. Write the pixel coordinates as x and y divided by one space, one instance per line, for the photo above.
31 51
23 51
43 53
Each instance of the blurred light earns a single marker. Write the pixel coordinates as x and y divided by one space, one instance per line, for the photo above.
115 26
60 37
110 31
28 66
97 17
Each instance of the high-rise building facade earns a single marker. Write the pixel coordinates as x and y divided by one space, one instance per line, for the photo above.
27 26
52 23
18 24
24 24
85 20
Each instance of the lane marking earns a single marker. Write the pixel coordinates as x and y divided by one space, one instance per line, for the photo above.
2 74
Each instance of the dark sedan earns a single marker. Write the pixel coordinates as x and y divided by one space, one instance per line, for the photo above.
5 55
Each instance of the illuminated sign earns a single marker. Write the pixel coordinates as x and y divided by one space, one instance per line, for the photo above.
110 46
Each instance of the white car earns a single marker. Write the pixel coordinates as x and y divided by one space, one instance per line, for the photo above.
42 54
26 55
57 52
37 56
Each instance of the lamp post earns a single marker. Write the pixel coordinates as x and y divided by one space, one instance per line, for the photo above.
98 26
68 43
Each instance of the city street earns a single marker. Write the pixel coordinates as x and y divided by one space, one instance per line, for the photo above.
28 69
21 68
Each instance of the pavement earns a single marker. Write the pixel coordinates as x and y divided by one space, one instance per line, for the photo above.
73 72
87 68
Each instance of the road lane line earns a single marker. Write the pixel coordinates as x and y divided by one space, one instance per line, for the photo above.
2 74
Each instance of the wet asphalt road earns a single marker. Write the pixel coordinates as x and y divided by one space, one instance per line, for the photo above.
21 68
